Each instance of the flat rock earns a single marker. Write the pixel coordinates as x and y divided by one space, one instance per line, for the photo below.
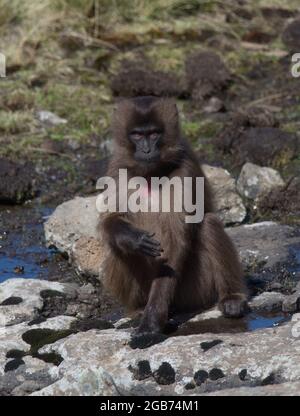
268 302
102 362
11 338
29 292
94 362
266 243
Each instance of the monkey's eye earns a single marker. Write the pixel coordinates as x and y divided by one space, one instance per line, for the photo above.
154 136
136 136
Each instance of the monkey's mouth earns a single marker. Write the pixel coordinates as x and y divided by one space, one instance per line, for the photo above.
145 158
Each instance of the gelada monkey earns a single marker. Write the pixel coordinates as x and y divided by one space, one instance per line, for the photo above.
157 261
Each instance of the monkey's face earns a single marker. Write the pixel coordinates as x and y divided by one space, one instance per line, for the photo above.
146 133
146 140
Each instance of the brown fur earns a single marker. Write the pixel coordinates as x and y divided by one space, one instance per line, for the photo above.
199 265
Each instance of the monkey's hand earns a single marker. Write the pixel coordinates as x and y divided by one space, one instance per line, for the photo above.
139 242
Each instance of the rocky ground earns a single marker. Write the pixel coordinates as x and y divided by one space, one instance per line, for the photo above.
57 340
60 357
229 67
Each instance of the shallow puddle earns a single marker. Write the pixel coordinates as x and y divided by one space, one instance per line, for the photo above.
23 252
251 322
8 267
257 321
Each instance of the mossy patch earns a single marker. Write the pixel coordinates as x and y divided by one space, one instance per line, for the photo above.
51 357
204 129
165 374
15 353
50 293
13 300
39 337
13 364
84 325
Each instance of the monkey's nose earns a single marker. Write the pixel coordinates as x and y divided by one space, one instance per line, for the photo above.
146 148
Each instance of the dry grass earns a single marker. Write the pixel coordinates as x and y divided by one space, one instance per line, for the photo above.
15 122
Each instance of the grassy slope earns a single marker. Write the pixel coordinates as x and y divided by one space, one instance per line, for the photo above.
99 34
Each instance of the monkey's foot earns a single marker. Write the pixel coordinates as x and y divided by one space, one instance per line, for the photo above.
153 320
148 327
234 306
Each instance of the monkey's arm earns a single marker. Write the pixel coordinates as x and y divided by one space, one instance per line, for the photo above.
125 238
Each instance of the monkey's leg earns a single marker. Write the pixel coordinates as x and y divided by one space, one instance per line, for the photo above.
218 255
155 315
